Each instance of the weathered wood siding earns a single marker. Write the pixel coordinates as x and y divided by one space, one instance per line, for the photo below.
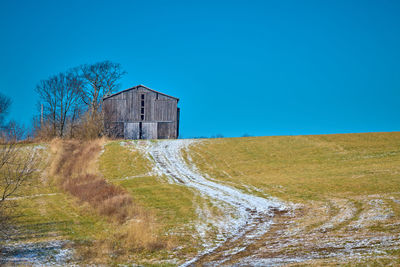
149 130
157 117
165 130
131 130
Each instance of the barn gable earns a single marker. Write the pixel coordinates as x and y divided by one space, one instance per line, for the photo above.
141 87
141 113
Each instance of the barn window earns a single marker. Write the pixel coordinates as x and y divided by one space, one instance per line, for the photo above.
142 107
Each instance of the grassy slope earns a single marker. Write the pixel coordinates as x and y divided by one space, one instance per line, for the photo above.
302 168
337 178
43 212
297 168
172 204
57 217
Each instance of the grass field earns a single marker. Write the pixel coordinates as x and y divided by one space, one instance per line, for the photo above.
343 186
44 213
172 204
301 168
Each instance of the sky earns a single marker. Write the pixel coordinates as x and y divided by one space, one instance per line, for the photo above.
239 67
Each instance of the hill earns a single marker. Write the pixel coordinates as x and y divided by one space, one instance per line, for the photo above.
321 200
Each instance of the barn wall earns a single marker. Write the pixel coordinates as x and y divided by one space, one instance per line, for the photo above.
125 108
166 130
131 130
149 130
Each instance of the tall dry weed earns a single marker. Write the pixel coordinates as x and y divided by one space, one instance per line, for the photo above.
140 234
74 166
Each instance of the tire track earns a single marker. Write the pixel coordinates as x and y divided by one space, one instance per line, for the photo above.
246 218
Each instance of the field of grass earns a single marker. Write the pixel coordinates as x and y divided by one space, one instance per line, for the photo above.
300 168
47 209
343 185
42 212
171 204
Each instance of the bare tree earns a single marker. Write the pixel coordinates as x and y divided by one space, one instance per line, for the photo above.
101 78
75 119
72 101
69 99
47 91
60 96
111 128
17 165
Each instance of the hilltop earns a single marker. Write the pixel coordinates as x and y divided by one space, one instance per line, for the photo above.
317 199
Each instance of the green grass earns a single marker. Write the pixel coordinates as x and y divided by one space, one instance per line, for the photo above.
61 216
302 168
172 204
44 212
58 216
314 171
305 169
118 162
129 169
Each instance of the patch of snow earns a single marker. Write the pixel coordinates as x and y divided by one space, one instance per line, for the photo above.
377 211
38 147
347 211
395 200
36 254
244 216
134 176
32 196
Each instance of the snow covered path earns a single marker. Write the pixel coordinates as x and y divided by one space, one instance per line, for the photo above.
245 217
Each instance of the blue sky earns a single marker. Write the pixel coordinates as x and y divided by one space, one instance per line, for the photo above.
239 67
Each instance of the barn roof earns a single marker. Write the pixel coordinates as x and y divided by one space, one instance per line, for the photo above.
135 87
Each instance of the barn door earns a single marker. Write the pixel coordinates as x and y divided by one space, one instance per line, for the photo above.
131 130
149 130
164 130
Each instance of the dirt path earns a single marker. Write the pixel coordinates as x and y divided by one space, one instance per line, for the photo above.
244 218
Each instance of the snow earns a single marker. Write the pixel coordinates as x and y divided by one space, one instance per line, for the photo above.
32 196
36 253
377 211
245 216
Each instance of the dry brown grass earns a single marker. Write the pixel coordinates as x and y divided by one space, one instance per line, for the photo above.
75 167
74 158
107 199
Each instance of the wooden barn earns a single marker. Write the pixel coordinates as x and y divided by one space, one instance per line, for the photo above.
141 113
